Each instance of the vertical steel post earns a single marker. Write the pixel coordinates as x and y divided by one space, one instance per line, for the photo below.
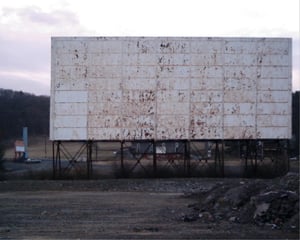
53 161
96 150
256 147
187 163
122 158
222 159
246 157
287 157
219 159
217 156
45 147
89 146
154 158
58 158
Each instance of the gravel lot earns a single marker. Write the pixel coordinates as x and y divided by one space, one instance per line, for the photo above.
193 208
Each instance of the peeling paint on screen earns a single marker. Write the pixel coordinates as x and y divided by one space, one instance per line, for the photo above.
134 88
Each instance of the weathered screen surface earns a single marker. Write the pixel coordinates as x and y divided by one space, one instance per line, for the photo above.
114 88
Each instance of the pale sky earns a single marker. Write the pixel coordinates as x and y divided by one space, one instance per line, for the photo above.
26 27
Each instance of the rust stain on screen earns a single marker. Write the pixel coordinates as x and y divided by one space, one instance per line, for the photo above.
133 88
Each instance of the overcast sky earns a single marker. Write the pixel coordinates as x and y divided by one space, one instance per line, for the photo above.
27 25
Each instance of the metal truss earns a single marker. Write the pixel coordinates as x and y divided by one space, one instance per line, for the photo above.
189 158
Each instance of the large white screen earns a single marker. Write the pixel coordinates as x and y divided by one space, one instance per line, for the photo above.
133 88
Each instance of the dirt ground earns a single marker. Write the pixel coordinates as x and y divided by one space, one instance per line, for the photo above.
143 208
123 209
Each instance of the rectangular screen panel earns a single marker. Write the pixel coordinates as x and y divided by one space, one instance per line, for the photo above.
134 88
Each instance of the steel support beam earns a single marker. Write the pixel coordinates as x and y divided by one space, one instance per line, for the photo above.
59 149
219 158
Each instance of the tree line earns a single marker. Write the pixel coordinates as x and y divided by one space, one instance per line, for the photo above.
19 109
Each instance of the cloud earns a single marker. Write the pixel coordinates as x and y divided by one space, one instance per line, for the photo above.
35 19
25 40
25 36
53 18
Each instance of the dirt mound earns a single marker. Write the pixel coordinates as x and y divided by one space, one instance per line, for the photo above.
273 204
